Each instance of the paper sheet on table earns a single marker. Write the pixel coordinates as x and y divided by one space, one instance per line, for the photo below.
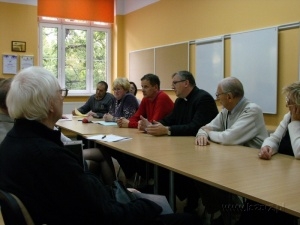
65 119
108 138
77 113
161 200
105 123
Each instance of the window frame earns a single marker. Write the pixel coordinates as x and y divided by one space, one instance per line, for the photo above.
90 27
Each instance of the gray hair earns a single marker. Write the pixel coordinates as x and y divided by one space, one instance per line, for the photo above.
293 90
232 85
186 75
31 92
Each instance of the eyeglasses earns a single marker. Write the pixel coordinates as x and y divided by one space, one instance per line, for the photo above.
175 82
64 92
118 89
218 94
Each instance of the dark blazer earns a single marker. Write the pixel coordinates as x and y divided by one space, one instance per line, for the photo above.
51 183
191 113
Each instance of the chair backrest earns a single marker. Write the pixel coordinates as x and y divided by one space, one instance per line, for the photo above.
13 210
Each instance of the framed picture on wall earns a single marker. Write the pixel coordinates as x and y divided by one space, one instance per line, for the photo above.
18 46
26 61
9 64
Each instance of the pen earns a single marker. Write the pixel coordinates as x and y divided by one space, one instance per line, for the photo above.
103 137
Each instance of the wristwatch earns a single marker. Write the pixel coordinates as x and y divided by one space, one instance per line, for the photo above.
169 131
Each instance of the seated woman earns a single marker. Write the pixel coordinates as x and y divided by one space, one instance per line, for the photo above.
286 139
124 105
133 90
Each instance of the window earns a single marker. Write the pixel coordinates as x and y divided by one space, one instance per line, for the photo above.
77 52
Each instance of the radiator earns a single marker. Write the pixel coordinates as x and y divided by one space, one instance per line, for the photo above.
69 106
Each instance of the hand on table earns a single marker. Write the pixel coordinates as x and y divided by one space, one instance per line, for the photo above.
157 129
201 140
143 123
107 117
122 122
266 152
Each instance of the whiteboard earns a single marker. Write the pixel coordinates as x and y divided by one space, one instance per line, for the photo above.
209 63
254 62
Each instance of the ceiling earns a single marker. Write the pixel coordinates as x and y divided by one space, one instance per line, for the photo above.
122 6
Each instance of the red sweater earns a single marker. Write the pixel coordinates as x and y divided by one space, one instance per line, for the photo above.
155 109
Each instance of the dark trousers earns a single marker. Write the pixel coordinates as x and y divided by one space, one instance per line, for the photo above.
184 188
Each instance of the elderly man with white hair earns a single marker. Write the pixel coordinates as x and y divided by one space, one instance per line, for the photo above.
49 179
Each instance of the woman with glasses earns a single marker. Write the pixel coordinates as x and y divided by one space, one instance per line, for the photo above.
286 138
125 104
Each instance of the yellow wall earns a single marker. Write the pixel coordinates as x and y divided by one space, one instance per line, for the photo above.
171 21
18 23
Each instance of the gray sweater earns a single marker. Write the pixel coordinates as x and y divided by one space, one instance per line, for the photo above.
245 126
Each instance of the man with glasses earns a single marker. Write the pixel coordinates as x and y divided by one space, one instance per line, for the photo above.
240 122
98 104
193 108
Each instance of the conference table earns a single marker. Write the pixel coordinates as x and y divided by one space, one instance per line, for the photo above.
235 169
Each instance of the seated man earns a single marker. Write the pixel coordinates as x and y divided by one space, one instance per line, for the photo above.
50 180
99 103
155 105
193 108
106 173
240 122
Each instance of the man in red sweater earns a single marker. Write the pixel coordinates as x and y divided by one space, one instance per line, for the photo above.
155 105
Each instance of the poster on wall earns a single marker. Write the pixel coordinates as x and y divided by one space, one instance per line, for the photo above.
9 64
26 61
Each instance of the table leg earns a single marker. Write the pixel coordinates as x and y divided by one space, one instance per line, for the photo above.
155 179
171 186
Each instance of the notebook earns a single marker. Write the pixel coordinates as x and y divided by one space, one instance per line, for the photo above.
76 147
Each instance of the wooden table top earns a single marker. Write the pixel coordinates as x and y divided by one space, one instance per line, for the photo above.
236 169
